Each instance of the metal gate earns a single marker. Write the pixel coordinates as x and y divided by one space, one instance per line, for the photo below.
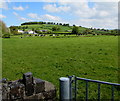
74 88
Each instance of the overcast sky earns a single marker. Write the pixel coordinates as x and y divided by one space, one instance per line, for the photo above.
87 14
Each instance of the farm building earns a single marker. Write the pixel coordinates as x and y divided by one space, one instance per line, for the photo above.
20 31
31 32
68 30
43 30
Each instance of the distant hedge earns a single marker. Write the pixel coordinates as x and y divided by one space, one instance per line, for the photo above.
6 36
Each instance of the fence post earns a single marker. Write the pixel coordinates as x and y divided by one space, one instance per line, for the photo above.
64 89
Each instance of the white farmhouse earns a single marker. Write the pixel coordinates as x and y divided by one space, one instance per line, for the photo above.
31 32
54 35
20 31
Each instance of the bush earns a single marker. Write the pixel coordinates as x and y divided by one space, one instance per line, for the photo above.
75 30
4 31
55 28
49 32
6 36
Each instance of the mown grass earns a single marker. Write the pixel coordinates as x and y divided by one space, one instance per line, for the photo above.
51 58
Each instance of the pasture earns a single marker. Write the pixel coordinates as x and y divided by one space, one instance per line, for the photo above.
51 58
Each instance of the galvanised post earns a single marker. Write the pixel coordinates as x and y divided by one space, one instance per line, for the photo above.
75 88
70 77
64 89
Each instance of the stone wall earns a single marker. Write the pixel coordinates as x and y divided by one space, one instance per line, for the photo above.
28 88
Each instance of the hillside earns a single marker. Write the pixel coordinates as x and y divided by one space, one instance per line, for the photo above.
60 28
47 27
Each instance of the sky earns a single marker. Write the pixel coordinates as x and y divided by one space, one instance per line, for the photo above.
86 14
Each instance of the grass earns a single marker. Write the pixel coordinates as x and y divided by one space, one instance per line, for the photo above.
51 58
63 29
49 27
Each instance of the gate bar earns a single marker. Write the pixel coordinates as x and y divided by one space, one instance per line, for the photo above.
86 90
115 84
112 92
98 91
75 88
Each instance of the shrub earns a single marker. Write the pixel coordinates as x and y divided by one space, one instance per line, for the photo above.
6 36
3 29
55 28
75 30
49 32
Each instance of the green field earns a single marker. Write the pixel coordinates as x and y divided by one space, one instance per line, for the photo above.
50 58
62 29
48 27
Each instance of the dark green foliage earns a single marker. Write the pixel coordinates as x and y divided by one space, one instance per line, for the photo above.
60 23
14 30
4 31
65 24
75 30
33 29
55 28
30 23
39 32
63 27
49 32
88 31
6 36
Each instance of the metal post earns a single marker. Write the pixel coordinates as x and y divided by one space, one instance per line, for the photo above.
98 91
75 88
70 86
86 90
64 89
112 92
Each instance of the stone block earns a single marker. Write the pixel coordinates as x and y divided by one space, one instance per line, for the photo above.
0 91
16 90
27 89
49 86
32 97
50 94
39 85
40 96
28 81
50 91
5 91
27 78
4 80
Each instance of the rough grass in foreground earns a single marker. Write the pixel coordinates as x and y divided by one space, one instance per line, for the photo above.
51 58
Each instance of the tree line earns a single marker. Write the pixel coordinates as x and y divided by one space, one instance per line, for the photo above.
6 32
53 23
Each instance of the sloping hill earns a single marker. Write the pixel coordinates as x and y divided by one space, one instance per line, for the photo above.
63 28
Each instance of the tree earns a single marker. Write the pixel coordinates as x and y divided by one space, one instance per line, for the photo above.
75 30
60 23
88 31
14 30
49 32
33 29
6 36
5 32
55 28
